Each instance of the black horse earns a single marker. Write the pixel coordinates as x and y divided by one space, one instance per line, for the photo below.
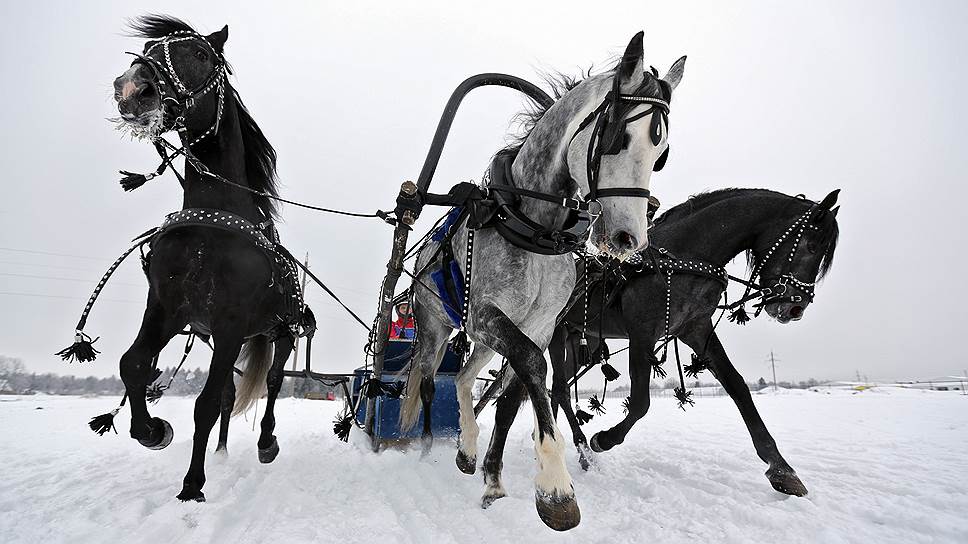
790 244
215 266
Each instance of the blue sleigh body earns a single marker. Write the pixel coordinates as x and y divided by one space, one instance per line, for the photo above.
445 412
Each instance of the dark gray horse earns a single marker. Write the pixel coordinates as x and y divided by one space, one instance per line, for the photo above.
515 295
756 221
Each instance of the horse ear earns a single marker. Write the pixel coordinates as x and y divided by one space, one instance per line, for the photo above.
631 71
834 211
674 75
829 200
218 39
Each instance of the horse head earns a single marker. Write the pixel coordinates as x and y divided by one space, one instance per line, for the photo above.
177 82
793 257
612 159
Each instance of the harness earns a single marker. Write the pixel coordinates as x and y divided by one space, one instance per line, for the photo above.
786 287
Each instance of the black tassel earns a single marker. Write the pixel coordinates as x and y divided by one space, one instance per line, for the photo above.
610 373
374 388
154 392
461 345
684 397
697 365
342 425
596 405
82 349
104 422
582 416
657 369
584 358
603 353
132 180
625 405
739 316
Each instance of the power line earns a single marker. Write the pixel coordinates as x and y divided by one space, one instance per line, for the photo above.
51 253
34 276
15 263
42 295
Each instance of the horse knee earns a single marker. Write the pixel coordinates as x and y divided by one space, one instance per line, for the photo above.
134 366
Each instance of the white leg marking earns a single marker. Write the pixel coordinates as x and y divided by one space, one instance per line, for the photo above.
553 477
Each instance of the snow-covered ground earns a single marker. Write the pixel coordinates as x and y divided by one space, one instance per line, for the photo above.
883 465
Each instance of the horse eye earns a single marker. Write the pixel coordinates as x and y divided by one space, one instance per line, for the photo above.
812 247
201 55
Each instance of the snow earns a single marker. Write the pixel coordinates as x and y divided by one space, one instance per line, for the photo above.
883 465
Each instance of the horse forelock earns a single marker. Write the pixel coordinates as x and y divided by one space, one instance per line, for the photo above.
155 26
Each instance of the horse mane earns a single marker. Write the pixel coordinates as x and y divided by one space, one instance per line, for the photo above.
829 230
260 156
155 26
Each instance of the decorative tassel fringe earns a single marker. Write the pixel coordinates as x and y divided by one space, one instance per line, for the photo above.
154 392
342 425
377 388
684 397
584 357
610 373
104 422
82 349
582 416
657 369
739 316
625 405
133 180
596 405
461 344
697 365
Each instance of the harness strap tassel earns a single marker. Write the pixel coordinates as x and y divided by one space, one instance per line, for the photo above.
342 425
81 350
105 422
739 315
697 365
657 370
582 416
596 405
610 373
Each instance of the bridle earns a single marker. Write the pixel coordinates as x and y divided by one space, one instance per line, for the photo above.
609 137
786 287
176 97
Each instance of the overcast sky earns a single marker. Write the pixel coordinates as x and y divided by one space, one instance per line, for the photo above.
798 97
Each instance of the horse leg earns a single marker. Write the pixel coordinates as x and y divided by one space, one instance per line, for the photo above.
228 402
268 445
554 493
562 352
227 348
640 371
429 348
781 475
469 429
506 408
157 329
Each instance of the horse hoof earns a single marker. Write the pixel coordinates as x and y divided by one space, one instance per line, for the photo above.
467 465
191 495
159 436
786 481
268 455
561 513
488 499
596 447
426 445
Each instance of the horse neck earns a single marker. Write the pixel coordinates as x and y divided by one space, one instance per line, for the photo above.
223 154
717 233
542 163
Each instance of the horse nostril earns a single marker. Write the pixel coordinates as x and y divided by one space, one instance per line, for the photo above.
796 311
623 240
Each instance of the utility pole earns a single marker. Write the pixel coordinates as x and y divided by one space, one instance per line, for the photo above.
295 350
773 364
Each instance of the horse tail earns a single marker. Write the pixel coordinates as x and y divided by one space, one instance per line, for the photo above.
411 405
256 356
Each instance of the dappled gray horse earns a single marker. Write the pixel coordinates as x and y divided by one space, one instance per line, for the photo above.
599 142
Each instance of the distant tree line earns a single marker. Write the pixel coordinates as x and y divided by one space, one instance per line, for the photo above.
15 379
